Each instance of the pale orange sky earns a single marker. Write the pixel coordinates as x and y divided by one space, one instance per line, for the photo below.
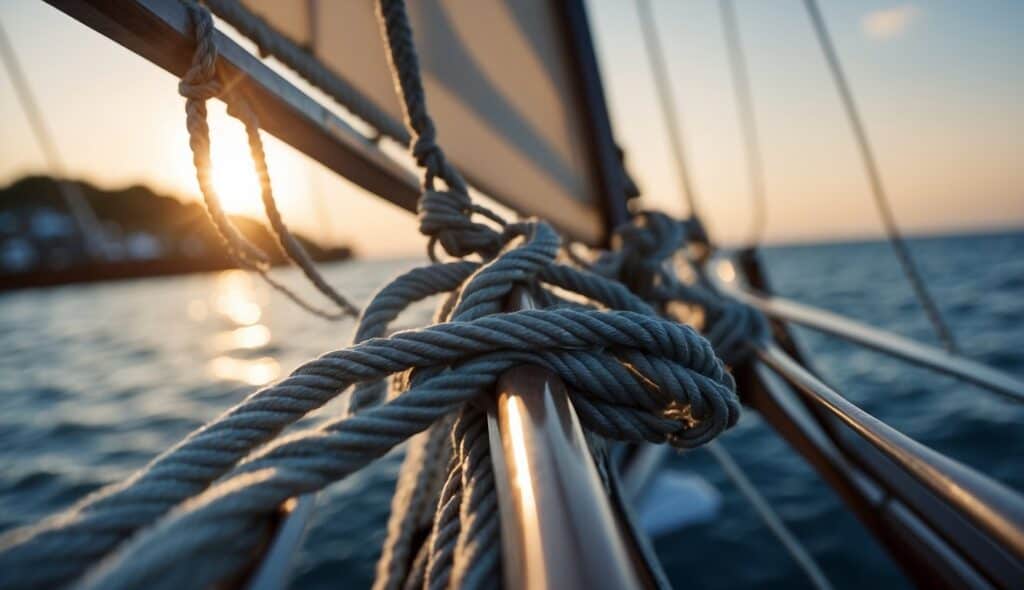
939 83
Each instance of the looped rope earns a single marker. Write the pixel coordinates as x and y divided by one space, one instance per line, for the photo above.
445 215
647 245
200 81
631 376
446 218
199 84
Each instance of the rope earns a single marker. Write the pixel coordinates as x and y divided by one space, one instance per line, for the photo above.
475 352
273 43
199 84
667 102
423 473
748 120
892 230
631 375
642 264
290 247
412 506
478 544
731 327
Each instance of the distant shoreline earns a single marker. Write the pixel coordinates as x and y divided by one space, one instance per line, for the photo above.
123 271
135 233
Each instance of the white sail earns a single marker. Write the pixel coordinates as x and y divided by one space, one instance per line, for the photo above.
500 84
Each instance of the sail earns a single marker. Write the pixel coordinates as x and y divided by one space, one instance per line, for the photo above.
503 85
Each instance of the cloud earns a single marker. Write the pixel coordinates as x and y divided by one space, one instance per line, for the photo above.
890 23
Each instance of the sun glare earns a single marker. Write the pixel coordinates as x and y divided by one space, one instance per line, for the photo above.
233 176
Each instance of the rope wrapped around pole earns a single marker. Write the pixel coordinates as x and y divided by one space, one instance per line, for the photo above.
631 375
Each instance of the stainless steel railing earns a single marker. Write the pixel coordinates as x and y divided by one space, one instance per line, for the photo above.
871 337
559 527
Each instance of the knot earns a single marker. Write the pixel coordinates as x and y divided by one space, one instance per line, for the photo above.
487 290
696 233
643 247
200 81
425 150
734 328
203 90
446 217
652 236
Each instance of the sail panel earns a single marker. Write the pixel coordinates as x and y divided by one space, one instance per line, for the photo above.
500 85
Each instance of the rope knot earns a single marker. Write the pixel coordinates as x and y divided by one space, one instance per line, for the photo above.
446 217
425 150
200 81
644 245
652 237
733 328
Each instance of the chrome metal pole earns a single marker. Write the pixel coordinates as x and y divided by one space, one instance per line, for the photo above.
559 529
723 271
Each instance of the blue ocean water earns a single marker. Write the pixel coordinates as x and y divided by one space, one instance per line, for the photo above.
96 380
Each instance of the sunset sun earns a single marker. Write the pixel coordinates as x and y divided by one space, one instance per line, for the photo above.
233 176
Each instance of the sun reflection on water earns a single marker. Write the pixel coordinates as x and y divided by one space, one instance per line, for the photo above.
244 338
250 371
236 300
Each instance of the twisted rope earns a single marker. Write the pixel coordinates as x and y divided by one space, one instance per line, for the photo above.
308 462
446 216
289 245
273 43
643 263
99 523
199 84
478 545
475 352
412 506
631 375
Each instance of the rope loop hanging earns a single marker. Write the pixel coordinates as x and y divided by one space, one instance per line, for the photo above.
199 84
631 375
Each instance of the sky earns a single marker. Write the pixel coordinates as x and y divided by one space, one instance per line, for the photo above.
939 85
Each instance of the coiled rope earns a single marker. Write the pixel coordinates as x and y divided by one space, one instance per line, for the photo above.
631 376
644 263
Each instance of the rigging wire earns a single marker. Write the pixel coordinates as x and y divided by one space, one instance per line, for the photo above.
666 101
747 118
892 230
88 224
771 518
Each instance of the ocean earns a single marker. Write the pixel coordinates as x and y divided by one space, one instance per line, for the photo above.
96 380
